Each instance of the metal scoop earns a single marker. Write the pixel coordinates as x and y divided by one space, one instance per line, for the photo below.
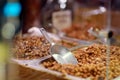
60 53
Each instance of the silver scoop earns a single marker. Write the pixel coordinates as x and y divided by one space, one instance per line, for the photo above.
60 53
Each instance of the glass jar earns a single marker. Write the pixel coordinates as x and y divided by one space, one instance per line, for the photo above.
59 13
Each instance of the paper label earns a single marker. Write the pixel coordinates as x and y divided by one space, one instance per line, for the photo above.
62 19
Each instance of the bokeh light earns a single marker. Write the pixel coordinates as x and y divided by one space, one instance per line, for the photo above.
12 9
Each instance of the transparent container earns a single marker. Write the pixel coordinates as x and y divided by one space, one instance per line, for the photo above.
59 13
87 15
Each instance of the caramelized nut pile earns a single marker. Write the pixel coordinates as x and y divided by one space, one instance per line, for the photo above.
32 47
80 32
92 63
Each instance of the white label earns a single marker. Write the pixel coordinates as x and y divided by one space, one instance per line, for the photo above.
62 19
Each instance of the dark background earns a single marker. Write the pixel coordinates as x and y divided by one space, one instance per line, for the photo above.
115 4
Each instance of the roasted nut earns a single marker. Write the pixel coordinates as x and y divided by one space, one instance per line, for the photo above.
92 63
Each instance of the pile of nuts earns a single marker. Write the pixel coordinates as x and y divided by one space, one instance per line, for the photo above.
67 43
30 47
92 62
81 32
33 47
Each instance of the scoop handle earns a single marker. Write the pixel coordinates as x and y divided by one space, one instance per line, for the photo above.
42 30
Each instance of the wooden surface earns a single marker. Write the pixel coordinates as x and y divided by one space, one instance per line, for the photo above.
18 72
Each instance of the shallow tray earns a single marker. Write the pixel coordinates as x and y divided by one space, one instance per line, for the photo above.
34 64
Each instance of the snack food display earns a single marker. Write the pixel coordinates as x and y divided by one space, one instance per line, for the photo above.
81 31
92 63
34 47
92 59
30 47
89 31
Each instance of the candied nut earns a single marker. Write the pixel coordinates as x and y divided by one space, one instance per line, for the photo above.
93 65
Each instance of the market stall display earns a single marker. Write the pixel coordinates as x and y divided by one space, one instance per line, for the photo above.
91 31
91 62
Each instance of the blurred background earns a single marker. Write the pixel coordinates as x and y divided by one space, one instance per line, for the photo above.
17 12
